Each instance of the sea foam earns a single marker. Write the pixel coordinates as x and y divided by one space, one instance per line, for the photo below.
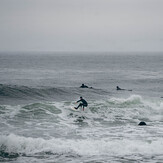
30 146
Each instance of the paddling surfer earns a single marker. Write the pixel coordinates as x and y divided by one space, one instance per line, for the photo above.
119 89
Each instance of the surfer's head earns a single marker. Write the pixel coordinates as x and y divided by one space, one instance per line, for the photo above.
81 97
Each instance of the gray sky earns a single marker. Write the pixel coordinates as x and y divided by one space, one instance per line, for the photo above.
81 25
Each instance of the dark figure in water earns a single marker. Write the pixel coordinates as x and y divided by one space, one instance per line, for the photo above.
82 104
142 124
83 86
118 89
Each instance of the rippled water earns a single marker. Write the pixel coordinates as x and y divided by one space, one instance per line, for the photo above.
37 93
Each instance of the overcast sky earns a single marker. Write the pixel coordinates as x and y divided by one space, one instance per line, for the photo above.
81 25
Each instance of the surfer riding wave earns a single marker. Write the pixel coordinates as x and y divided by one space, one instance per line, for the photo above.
82 104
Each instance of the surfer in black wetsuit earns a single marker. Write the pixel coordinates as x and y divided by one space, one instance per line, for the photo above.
83 86
82 104
118 88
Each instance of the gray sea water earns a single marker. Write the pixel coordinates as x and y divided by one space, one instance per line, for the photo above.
38 90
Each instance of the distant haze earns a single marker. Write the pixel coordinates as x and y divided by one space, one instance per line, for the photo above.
81 25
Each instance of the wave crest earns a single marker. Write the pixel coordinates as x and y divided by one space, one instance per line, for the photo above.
13 91
18 145
132 100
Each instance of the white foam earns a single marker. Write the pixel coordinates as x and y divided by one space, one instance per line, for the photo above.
29 146
135 99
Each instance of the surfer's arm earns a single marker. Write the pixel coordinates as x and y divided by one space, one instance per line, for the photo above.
78 101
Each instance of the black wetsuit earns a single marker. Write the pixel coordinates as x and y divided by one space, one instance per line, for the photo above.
119 88
83 104
83 86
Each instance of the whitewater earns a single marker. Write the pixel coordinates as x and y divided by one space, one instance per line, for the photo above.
38 90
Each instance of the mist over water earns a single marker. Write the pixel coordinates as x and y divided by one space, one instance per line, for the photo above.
38 91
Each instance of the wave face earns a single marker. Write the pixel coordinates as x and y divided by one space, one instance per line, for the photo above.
24 92
107 130
60 93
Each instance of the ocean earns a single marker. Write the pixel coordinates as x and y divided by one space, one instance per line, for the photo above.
38 90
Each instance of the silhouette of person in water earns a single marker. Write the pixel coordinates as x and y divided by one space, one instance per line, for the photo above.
119 89
83 86
82 104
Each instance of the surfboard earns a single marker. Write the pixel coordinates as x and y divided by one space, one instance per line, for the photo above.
72 108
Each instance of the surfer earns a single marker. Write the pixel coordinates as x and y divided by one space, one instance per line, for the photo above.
83 86
119 89
82 104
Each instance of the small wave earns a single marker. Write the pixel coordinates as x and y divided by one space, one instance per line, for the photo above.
114 110
132 109
125 102
132 102
14 93
24 92
13 145
41 107
29 112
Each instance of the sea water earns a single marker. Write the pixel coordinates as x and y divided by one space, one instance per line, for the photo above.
37 91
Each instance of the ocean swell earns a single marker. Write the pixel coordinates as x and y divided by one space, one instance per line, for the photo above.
14 91
17 94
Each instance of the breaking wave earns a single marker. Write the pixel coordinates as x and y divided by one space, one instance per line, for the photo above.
115 110
106 128
15 146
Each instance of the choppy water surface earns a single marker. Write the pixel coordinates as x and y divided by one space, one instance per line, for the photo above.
38 125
